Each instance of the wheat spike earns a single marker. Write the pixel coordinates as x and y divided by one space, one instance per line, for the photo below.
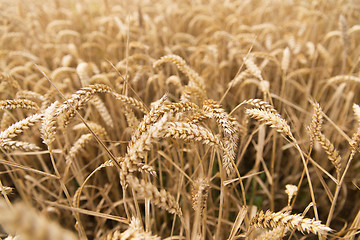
253 69
23 94
160 198
199 194
285 62
275 234
98 129
131 102
356 109
290 221
18 145
195 79
316 122
258 103
101 108
78 100
231 129
271 119
20 126
82 141
134 232
48 129
18 103
315 134
189 132
25 222
239 78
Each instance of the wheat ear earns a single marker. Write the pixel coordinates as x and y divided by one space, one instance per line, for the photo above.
18 103
25 222
274 234
161 198
356 109
78 100
261 104
20 126
131 102
135 232
199 194
231 128
315 133
195 79
101 108
274 120
290 221
48 129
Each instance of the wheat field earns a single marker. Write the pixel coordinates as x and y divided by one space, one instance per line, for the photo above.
179 119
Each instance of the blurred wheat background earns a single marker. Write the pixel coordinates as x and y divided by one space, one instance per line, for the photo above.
179 119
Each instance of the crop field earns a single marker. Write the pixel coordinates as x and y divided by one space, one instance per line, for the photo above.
179 119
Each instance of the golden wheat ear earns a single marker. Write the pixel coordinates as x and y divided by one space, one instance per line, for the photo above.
161 198
18 103
25 222
289 221
274 120
195 80
134 231
316 134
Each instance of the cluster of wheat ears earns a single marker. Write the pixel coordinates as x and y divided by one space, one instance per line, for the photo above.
179 119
